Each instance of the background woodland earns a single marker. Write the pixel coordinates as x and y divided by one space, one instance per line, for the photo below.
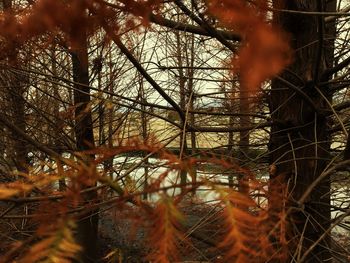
215 131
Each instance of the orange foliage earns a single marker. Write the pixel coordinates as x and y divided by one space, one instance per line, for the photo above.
142 8
56 244
264 50
164 231
249 233
25 185
66 20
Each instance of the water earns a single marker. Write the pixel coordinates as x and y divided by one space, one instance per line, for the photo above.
157 168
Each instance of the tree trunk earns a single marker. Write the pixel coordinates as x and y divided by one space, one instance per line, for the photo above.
15 84
299 142
183 136
244 121
229 105
144 132
190 54
57 131
87 230
347 148
17 108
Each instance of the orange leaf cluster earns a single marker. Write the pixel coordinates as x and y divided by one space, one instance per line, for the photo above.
141 8
249 233
66 19
25 186
164 231
56 245
12 189
56 18
264 51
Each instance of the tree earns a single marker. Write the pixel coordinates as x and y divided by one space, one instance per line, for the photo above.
88 226
130 82
300 142
16 87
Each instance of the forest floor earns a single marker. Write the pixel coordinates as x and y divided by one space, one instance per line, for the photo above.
121 234
125 239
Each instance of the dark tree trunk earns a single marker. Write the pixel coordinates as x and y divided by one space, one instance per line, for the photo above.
191 100
87 230
244 121
15 89
145 134
183 136
299 143
347 148
57 130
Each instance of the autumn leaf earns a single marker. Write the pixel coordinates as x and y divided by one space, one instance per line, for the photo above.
7 192
164 232
264 50
57 245
12 189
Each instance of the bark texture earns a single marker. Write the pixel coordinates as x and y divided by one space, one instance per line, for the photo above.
87 229
299 143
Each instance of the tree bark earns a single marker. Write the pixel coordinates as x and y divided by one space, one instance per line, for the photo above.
244 121
15 83
87 229
299 142
347 148
183 136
